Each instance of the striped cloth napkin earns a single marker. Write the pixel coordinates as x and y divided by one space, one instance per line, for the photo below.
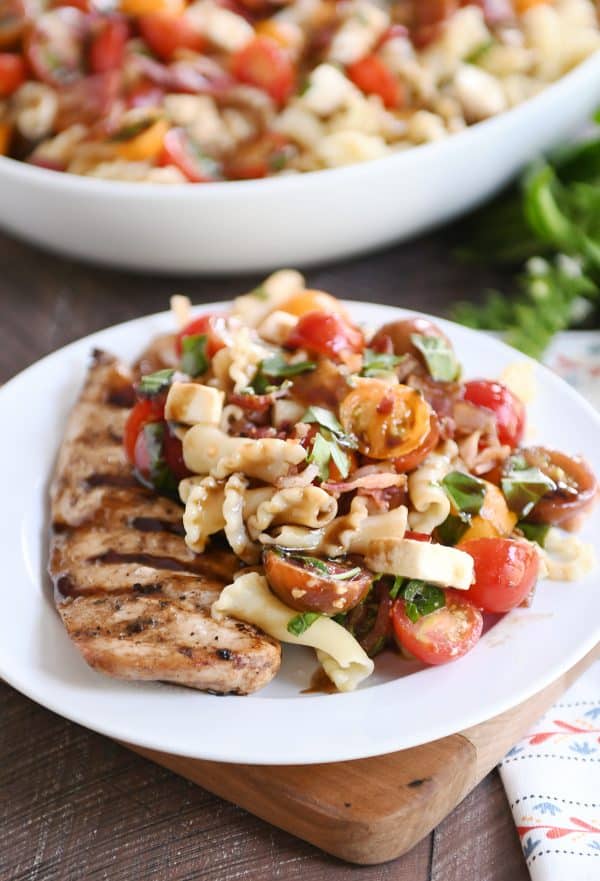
552 776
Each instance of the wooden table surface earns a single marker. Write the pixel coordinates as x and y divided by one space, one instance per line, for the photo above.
75 806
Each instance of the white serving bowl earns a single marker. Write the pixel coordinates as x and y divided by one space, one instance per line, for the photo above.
235 227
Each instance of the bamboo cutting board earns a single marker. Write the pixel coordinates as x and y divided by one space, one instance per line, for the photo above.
372 810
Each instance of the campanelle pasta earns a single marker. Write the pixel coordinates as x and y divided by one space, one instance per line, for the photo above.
371 490
250 599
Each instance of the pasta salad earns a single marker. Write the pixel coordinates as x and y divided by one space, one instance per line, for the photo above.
168 91
374 498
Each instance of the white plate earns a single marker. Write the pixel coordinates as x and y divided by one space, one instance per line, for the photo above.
296 220
279 725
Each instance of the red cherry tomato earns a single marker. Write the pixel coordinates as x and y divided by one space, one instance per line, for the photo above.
417 536
264 64
429 17
145 411
165 33
327 334
180 150
107 48
212 324
506 572
373 77
12 73
55 45
443 635
173 453
508 409
260 157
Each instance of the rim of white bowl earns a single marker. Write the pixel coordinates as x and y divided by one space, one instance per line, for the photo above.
349 173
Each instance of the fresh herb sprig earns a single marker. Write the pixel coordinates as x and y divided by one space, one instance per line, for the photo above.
553 222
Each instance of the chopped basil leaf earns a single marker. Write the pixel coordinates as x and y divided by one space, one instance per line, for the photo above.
322 417
524 487
261 293
396 586
300 623
536 532
278 366
378 363
340 459
466 493
154 383
278 160
311 561
326 419
479 51
161 477
421 599
451 530
439 357
345 576
127 132
194 360
320 455
340 618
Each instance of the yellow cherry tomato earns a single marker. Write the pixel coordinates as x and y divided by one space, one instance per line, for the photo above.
146 145
494 520
286 34
521 6
147 7
312 301
388 420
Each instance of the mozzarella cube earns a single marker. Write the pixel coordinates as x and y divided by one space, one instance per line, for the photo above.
193 403
434 563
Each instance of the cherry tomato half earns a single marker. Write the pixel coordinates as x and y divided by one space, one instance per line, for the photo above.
165 33
180 150
507 408
303 585
326 333
576 487
443 635
389 421
107 48
400 332
212 324
264 64
143 412
506 572
259 157
12 73
373 77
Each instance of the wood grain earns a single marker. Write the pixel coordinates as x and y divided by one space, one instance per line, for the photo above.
373 810
77 807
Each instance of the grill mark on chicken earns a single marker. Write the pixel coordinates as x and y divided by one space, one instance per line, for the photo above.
134 599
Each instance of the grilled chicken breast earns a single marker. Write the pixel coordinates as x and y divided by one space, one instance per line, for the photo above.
133 598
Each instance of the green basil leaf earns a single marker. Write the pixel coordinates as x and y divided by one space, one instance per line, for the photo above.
396 586
340 459
278 366
323 417
194 360
439 357
309 561
452 530
466 492
127 132
379 363
154 383
319 455
300 623
346 576
422 599
536 532
524 487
